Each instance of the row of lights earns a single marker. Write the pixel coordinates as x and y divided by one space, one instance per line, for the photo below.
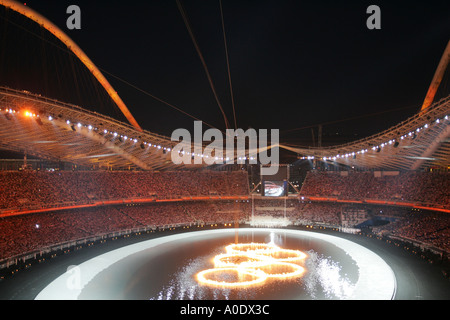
30 114
411 134
126 138
8 110
27 113
378 148
114 134
134 140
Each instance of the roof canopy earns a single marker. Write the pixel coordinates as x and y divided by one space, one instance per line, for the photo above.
421 141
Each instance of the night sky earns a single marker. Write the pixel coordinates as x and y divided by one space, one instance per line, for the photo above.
294 64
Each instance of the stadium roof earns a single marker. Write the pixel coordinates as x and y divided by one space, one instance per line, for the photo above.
58 131
421 141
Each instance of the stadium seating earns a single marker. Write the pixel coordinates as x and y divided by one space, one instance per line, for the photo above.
413 186
36 189
26 233
195 204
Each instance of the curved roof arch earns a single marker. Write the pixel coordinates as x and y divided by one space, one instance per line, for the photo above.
75 49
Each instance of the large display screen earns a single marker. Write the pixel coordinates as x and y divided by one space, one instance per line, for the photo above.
275 185
275 188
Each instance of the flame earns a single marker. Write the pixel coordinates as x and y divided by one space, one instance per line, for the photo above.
252 264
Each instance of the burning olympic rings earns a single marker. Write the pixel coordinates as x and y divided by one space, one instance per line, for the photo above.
257 261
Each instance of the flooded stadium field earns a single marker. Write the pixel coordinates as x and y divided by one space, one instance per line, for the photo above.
164 265
167 268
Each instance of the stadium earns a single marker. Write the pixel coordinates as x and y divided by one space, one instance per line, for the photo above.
93 207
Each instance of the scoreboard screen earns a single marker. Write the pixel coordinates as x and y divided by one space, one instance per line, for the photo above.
275 188
275 185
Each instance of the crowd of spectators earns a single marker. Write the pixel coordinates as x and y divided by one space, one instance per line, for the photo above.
41 189
299 212
30 232
410 224
426 227
26 233
414 186
45 189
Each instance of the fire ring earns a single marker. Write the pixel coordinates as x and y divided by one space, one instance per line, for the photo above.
256 260
259 276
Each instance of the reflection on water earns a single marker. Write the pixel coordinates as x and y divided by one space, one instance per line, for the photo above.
326 277
184 286
165 268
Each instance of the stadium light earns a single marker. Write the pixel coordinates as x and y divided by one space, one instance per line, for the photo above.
395 142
